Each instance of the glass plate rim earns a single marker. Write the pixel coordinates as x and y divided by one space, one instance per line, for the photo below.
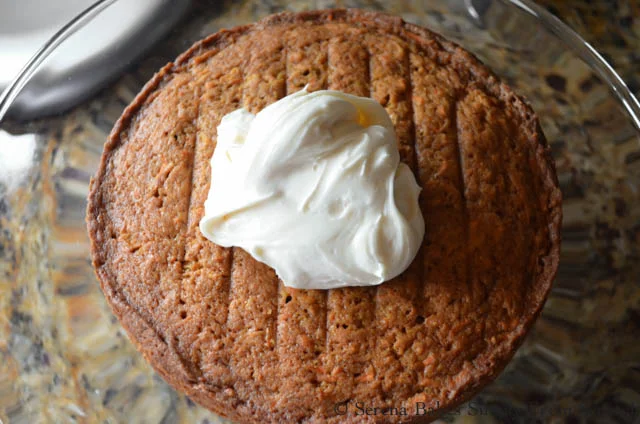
574 41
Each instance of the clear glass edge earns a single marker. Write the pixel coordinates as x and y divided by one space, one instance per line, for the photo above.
568 36
587 53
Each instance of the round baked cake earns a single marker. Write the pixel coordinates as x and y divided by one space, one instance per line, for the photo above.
221 327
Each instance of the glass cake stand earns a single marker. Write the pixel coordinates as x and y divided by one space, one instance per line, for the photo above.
65 358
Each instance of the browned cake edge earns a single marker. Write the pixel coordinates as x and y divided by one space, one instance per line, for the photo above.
152 345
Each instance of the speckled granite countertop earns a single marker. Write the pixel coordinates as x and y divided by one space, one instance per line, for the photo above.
611 26
64 357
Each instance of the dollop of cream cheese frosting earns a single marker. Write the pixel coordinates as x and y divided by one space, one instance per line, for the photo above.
313 186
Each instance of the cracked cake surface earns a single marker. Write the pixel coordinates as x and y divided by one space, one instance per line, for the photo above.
221 327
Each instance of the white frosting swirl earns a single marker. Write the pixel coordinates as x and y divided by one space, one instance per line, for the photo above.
313 186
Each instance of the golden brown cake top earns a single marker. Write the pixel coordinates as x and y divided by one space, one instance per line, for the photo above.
220 326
